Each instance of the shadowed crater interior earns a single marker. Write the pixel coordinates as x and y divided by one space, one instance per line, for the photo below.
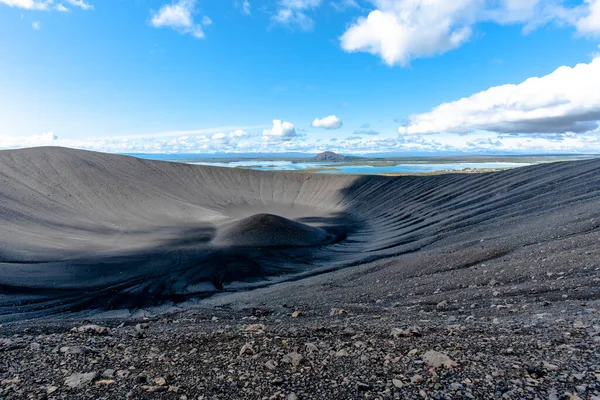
82 231
268 230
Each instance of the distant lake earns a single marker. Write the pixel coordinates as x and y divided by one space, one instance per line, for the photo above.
334 168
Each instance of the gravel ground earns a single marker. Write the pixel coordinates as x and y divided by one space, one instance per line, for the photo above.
521 351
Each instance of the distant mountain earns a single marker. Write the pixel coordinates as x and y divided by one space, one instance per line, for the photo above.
334 157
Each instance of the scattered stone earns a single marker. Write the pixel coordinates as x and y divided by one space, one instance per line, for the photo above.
296 314
75 350
363 387
105 382
535 370
341 353
92 329
160 381
277 381
154 389
436 359
271 365
579 325
549 367
337 312
8 382
258 328
246 349
108 374
293 358
80 380
397 383
140 327
410 332
311 348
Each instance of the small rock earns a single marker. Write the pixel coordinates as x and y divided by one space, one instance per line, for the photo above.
549 367
255 328
51 389
105 382
293 358
8 382
441 304
416 379
535 370
436 359
311 348
292 396
79 380
337 312
75 350
160 381
123 373
456 386
109 373
363 387
397 383
246 349
277 381
92 329
296 314
154 389
341 353
410 332
579 325
271 365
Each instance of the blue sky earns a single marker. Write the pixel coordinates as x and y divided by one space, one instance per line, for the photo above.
354 76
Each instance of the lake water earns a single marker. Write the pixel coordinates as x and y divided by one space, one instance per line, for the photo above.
325 168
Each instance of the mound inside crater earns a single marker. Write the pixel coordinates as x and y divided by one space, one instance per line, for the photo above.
268 230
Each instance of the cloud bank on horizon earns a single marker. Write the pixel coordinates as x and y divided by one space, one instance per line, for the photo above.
557 110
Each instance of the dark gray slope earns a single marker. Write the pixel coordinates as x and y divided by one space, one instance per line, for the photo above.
83 230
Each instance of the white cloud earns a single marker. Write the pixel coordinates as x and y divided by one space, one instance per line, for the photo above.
36 25
292 13
399 31
567 100
590 23
343 5
239 140
29 4
80 4
280 131
330 122
244 6
178 16
46 5
44 139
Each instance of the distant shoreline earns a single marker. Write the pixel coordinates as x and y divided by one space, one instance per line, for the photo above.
392 166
